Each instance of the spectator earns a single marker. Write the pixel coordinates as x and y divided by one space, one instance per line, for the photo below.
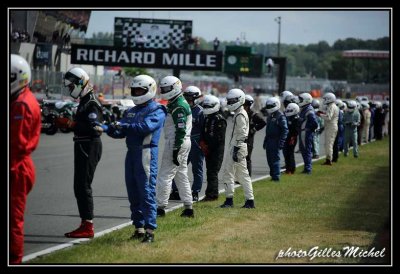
25 126
216 43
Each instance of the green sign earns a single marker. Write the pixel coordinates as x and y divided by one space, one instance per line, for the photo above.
243 64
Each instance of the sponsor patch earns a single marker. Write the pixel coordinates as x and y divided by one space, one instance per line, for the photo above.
92 116
18 117
131 114
180 115
181 125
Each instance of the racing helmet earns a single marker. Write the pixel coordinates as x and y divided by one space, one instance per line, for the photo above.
329 98
143 89
305 99
351 105
315 104
20 73
76 80
284 94
273 104
289 99
170 87
191 93
210 104
248 100
292 109
235 99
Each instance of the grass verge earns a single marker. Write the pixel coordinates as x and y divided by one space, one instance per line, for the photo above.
346 204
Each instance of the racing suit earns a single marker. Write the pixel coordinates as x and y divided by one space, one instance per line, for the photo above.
177 129
308 125
256 123
351 119
213 136
275 136
87 152
317 136
237 171
196 156
290 143
367 124
331 127
338 139
25 126
141 162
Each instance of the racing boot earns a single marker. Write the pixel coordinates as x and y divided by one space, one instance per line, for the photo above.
249 204
138 235
187 212
86 230
228 203
148 237
160 212
327 163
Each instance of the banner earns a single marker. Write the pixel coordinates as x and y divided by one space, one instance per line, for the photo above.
151 58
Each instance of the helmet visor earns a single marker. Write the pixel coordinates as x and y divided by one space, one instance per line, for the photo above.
269 106
138 91
166 89
232 101
13 77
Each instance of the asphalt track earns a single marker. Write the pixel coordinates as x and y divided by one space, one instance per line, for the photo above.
51 207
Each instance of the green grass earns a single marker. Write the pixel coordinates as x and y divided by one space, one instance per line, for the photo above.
346 204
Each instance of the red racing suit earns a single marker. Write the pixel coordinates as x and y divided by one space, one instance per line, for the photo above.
25 126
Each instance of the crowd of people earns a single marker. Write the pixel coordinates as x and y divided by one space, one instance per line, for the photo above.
194 133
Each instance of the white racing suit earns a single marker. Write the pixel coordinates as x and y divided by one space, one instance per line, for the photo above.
330 117
177 129
237 171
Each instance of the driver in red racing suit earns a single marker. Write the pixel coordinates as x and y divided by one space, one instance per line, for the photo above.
25 126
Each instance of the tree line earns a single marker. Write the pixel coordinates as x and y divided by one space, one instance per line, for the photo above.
319 60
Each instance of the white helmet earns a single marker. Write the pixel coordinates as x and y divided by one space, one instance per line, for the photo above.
364 105
378 104
76 80
329 98
20 73
339 103
292 109
235 99
210 105
248 100
273 104
305 99
170 87
315 104
284 94
351 105
192 93
143 89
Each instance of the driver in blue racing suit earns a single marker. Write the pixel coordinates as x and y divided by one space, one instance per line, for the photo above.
141 125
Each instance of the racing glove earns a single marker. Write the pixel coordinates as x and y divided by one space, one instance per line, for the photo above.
235 154
100 127
175 153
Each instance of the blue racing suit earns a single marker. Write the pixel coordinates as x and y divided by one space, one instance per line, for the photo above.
308 125
142 134
339 138
275 137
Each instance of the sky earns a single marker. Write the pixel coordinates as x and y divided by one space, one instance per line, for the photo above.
297 26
